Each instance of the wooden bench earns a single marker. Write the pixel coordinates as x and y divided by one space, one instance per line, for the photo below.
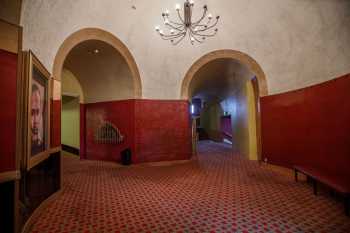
338 184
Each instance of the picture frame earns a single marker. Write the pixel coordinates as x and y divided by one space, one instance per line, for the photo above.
38 100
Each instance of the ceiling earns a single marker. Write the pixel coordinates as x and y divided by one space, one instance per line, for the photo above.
104 75
219 79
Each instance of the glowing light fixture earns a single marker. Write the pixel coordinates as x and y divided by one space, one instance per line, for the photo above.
192 109
197 30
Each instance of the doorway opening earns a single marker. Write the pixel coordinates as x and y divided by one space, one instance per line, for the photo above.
96 86
223 88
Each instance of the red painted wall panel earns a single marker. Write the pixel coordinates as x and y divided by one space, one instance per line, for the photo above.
8 96
162 130
226 127
309 127
55 123
119 113
82 150
155 130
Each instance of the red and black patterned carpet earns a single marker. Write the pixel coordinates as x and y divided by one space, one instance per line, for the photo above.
219 192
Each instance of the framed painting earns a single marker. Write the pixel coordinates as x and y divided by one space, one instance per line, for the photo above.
38 90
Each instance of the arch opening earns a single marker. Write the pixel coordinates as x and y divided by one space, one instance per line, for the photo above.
99 79
96 34
223 88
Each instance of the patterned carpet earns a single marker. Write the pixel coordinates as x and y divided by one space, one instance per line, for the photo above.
219 192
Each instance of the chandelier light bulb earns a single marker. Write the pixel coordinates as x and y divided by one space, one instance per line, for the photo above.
166 12
172 31
192 2
166 22
210 16
161 32
192 39
157 28
177 7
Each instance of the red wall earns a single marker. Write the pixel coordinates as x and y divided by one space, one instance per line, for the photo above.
155 130
162 130
226 127
8 96
55 123
309 127
119 113
82 149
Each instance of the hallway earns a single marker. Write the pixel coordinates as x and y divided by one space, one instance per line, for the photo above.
219 192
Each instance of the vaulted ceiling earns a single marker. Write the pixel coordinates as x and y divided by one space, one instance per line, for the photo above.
219 79
101 70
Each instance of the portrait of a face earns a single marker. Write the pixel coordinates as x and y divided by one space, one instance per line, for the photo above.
38 113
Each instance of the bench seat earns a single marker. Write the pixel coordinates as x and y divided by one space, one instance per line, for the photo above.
340 184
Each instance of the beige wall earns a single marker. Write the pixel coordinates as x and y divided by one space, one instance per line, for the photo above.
70 121
251 111
72 96
239 116
296 42
71 85
241 106
210 120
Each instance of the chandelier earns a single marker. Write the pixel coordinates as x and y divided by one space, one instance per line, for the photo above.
197 31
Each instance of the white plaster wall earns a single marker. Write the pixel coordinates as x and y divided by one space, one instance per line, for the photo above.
297 42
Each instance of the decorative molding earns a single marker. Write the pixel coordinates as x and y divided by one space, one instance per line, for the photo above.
101 35
243 58
10 37
9 176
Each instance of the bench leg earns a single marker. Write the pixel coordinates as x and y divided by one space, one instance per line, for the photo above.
315 186
308 179
296 175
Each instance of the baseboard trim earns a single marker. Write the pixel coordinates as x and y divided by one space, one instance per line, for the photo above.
70 149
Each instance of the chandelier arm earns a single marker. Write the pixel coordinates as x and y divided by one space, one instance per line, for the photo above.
200 23
179 15
178 41
201 18
181 28
173 22
171 37
165 18
194 36
205 35
209 27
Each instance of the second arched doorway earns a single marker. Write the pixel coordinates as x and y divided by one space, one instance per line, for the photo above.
224 87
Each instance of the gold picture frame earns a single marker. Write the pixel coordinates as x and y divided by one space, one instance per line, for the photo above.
38 96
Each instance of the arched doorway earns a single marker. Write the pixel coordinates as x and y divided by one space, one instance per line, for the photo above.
98 78
213 79
100 35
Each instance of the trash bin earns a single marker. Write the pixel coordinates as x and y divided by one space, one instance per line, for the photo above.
126 156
